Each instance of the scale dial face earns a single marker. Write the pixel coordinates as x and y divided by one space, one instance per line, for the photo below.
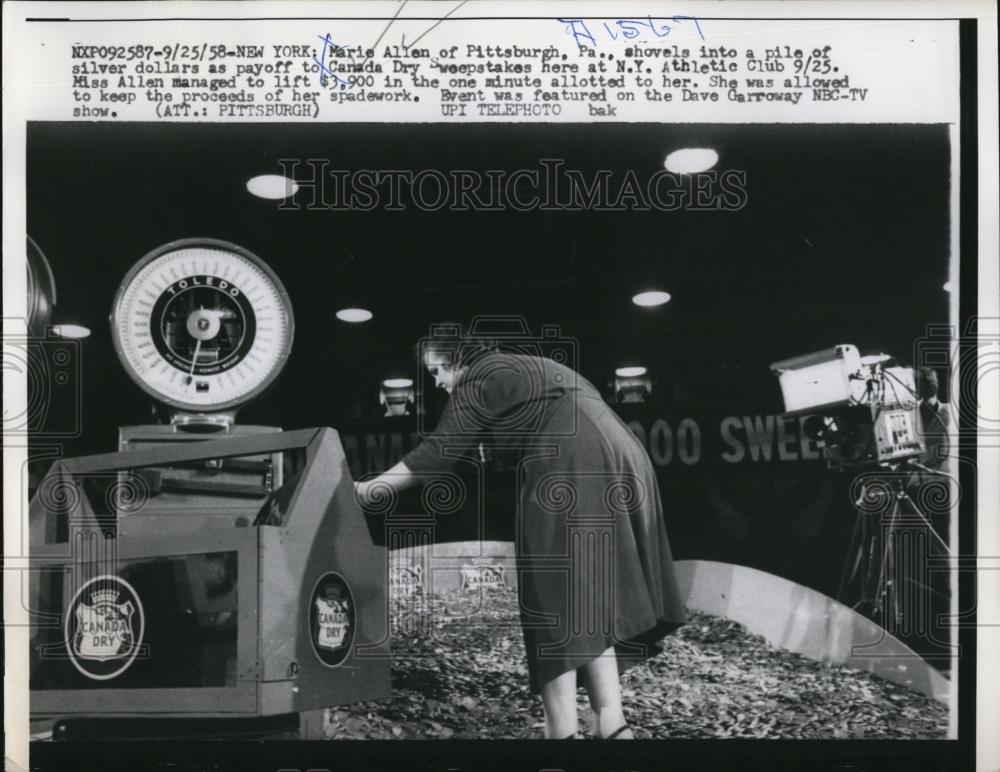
202 325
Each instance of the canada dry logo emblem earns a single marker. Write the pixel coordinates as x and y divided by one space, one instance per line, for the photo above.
483 577
104 627
405 579
331 619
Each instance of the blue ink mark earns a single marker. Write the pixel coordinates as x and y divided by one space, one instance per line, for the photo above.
578 29
325 73
697 25
627 28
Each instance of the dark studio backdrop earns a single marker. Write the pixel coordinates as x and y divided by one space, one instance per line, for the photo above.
843 238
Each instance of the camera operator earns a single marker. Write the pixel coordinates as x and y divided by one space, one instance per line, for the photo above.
934 419
930 486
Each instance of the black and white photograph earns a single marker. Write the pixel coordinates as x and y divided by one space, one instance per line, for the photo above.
423 443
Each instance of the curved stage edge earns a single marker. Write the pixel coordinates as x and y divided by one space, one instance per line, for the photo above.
806 622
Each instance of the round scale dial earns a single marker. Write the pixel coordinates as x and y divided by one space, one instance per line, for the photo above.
202 325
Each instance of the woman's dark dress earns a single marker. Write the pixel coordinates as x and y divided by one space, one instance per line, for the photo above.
594 564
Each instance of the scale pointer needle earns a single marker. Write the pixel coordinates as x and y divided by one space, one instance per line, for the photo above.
194 362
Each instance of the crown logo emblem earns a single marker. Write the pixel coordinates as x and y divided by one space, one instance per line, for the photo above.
104 596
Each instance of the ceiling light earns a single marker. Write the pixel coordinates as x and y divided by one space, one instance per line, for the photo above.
272 186
651 299
690 160
354 315
630 372
70 331
397 383
948 286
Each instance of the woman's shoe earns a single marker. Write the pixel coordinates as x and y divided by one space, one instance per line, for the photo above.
618 731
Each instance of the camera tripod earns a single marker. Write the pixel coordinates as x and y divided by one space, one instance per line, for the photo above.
872 553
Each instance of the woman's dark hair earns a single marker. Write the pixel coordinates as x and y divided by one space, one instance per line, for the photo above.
452 342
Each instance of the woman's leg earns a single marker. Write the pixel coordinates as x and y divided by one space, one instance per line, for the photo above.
600 679
559 701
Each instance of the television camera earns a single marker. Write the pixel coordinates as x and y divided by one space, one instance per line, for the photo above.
861 411
864 412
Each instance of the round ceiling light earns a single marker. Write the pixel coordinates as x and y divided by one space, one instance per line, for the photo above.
397 383
272 186
70 331
691 160
354 315
651 299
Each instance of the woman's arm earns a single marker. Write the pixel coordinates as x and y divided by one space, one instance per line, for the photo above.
399 477
457 436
